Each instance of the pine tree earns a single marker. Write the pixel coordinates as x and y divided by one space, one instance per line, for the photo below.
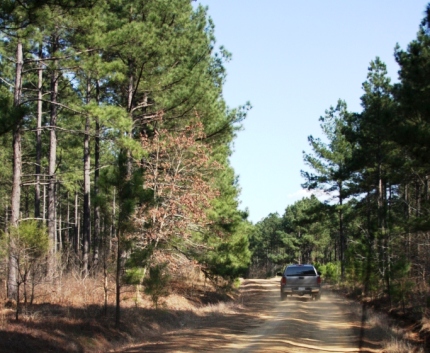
331 164
375 155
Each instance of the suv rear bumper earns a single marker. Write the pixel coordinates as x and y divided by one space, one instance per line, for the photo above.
299 291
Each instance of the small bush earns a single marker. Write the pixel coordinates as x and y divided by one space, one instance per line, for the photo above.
330 271
157 283
400 291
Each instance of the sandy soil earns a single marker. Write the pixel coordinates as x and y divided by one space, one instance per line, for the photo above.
264 323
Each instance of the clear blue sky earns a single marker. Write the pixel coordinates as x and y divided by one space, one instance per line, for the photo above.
293 60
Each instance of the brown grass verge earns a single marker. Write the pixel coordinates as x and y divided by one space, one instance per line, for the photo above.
405 326
71 317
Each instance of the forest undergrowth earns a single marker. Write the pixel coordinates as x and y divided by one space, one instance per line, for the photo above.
406 324
71 315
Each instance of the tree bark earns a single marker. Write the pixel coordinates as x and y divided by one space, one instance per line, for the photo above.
76 227
52 159
96 240
12 290
120 251
38 137
86 232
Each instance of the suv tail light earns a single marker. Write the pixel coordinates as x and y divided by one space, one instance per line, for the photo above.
319 280
283 281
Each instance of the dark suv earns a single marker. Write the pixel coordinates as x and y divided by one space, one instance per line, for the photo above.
301 280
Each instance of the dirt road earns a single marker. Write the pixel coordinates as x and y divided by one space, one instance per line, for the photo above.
265 324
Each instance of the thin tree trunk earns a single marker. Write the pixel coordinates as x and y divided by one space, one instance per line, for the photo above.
113 228
79 231
87 210
76 228
105 279
44 203
52 160
96 242
417 199
118 284
384 250
38 137
59 223
12 290
120 251
67 230
341 234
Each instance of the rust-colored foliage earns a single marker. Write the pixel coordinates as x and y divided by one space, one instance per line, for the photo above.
179 171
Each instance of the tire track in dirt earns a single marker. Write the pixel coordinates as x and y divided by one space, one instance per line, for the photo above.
263 323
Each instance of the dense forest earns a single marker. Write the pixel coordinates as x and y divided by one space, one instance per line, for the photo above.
114 160
372 233
115 140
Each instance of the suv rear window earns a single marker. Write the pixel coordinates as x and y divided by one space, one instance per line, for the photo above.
300 271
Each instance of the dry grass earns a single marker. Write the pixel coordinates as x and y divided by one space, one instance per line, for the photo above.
403 333
69 315
401 346
425 324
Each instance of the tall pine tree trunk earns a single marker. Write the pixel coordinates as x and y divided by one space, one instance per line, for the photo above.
87 210
96 240
120 249
52 159
38 136
12 288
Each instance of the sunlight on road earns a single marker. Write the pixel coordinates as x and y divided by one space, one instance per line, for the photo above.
302 325
266 324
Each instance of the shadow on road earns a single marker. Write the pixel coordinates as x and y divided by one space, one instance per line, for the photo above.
264 323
